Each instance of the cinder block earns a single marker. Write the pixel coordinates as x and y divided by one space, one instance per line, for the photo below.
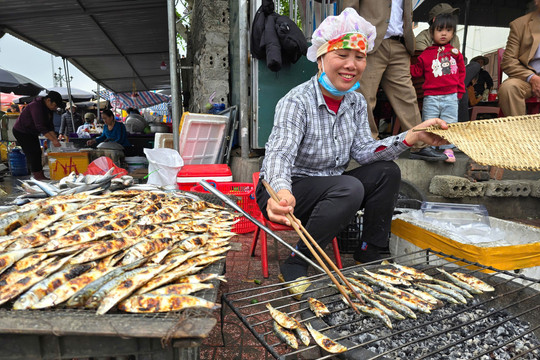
519 187
535 189
449 186
476 189
495 188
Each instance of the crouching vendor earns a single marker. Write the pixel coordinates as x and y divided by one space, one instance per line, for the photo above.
318 126
113 132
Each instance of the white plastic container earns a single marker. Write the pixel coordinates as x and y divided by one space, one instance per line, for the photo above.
163 140
201 137
136 162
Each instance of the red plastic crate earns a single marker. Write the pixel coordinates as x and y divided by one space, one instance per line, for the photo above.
246 194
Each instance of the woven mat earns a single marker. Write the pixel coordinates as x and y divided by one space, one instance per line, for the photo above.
511 143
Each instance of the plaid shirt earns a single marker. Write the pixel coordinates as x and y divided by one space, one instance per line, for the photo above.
309 139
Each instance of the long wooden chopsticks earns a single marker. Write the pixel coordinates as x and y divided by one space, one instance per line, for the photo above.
300 230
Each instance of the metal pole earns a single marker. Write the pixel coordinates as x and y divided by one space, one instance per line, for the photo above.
466 24
244 117
173 67
68 85
98 115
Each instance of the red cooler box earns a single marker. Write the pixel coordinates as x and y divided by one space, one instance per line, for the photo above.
190 175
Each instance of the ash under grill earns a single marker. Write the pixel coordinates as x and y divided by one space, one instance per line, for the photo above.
504 324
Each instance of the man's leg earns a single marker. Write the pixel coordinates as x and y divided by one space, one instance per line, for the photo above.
371 78
381 185
512 95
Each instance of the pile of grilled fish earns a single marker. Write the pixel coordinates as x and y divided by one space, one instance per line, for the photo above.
137 250
72 184
402 291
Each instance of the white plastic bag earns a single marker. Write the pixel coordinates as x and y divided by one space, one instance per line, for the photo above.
163 166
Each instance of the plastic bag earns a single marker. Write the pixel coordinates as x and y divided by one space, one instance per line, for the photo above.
101 165
163 166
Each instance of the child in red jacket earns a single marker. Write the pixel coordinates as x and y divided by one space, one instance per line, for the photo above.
443 68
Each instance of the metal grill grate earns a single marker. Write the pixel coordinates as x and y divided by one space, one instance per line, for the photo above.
515 300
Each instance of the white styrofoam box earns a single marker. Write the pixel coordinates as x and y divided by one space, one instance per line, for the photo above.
201 137
163 140
516 234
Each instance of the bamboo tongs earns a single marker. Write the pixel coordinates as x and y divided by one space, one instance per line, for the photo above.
299 228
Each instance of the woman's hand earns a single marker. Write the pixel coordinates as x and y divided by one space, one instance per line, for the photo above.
413 137
276 212
91 142
56 143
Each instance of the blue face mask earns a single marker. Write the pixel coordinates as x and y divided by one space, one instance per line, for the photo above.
327 84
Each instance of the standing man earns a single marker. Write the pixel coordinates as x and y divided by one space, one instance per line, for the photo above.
36 118
67 124
388 65
521 62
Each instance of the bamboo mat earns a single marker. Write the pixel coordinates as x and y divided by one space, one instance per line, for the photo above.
511 143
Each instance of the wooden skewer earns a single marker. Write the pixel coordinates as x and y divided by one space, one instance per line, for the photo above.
315 254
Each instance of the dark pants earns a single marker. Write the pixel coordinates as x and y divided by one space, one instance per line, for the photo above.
326 204
32 149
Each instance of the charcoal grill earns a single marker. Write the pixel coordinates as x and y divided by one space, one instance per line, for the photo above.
504 324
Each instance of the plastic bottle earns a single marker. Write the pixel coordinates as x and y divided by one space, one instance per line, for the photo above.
17 163
3 152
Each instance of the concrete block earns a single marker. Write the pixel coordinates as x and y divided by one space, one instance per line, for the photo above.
449 186
535 189
519 187
476 189
495 188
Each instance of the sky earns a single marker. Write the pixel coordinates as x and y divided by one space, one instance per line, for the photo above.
38 65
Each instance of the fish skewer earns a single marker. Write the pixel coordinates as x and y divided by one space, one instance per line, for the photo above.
459 282
474 282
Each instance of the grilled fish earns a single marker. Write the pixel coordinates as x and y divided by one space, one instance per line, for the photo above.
383 284
408 300
402 309
48 285
325 342
372 312
84 294
397 273
13 220
281 318
193 279
366 289
285 335
460 283
438 295
318 308
147 247
46 217
474 282
379 305
182 289
152 303
10 258
166 278
28 281
389 279
427 297
103 249
125 286
67 290
301 332
417 274
445 290
456 288
193 242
